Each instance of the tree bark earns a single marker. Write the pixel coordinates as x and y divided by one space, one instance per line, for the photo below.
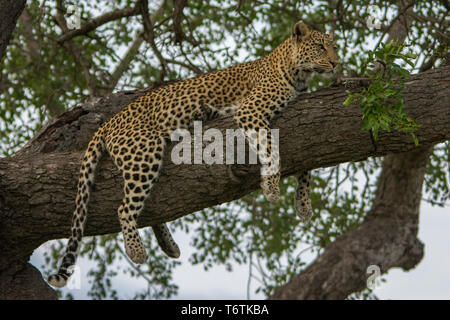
9 13
38 184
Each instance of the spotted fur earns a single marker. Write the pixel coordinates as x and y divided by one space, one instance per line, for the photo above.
136 137
302 201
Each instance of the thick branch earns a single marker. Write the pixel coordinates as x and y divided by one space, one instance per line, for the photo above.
38 184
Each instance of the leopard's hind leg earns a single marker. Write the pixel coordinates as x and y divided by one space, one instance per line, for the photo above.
165 240
91 158
302 200
140 161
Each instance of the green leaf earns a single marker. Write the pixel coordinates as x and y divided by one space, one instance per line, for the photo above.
348 101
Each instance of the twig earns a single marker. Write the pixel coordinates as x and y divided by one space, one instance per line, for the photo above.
92 24
125 62
399 15
74 50
150 37
189 66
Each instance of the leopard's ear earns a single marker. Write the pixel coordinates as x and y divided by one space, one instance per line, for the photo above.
300 31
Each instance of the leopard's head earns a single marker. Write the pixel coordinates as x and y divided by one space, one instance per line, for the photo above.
313 51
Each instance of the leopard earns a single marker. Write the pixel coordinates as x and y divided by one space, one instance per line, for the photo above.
136 137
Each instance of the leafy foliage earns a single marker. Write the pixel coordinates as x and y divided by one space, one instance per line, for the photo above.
382 101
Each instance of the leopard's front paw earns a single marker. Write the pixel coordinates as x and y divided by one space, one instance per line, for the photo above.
271 188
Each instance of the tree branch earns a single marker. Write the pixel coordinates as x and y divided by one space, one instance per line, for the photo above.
191 67
177 17
432 24
31 43
38 183
10 12
150 37
92 24
132 51
125 62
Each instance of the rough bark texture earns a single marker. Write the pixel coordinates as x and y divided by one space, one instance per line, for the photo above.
37 185
9 13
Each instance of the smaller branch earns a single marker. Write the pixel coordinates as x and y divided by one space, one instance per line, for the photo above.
125 62
26 22
150 37
428 64
191 67
423 18
92 24
132 51
396 21
177 18
394 212
432 21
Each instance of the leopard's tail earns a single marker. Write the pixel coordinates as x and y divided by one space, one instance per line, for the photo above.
91 158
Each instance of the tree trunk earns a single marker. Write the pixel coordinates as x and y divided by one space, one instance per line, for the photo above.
9 13
38 184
